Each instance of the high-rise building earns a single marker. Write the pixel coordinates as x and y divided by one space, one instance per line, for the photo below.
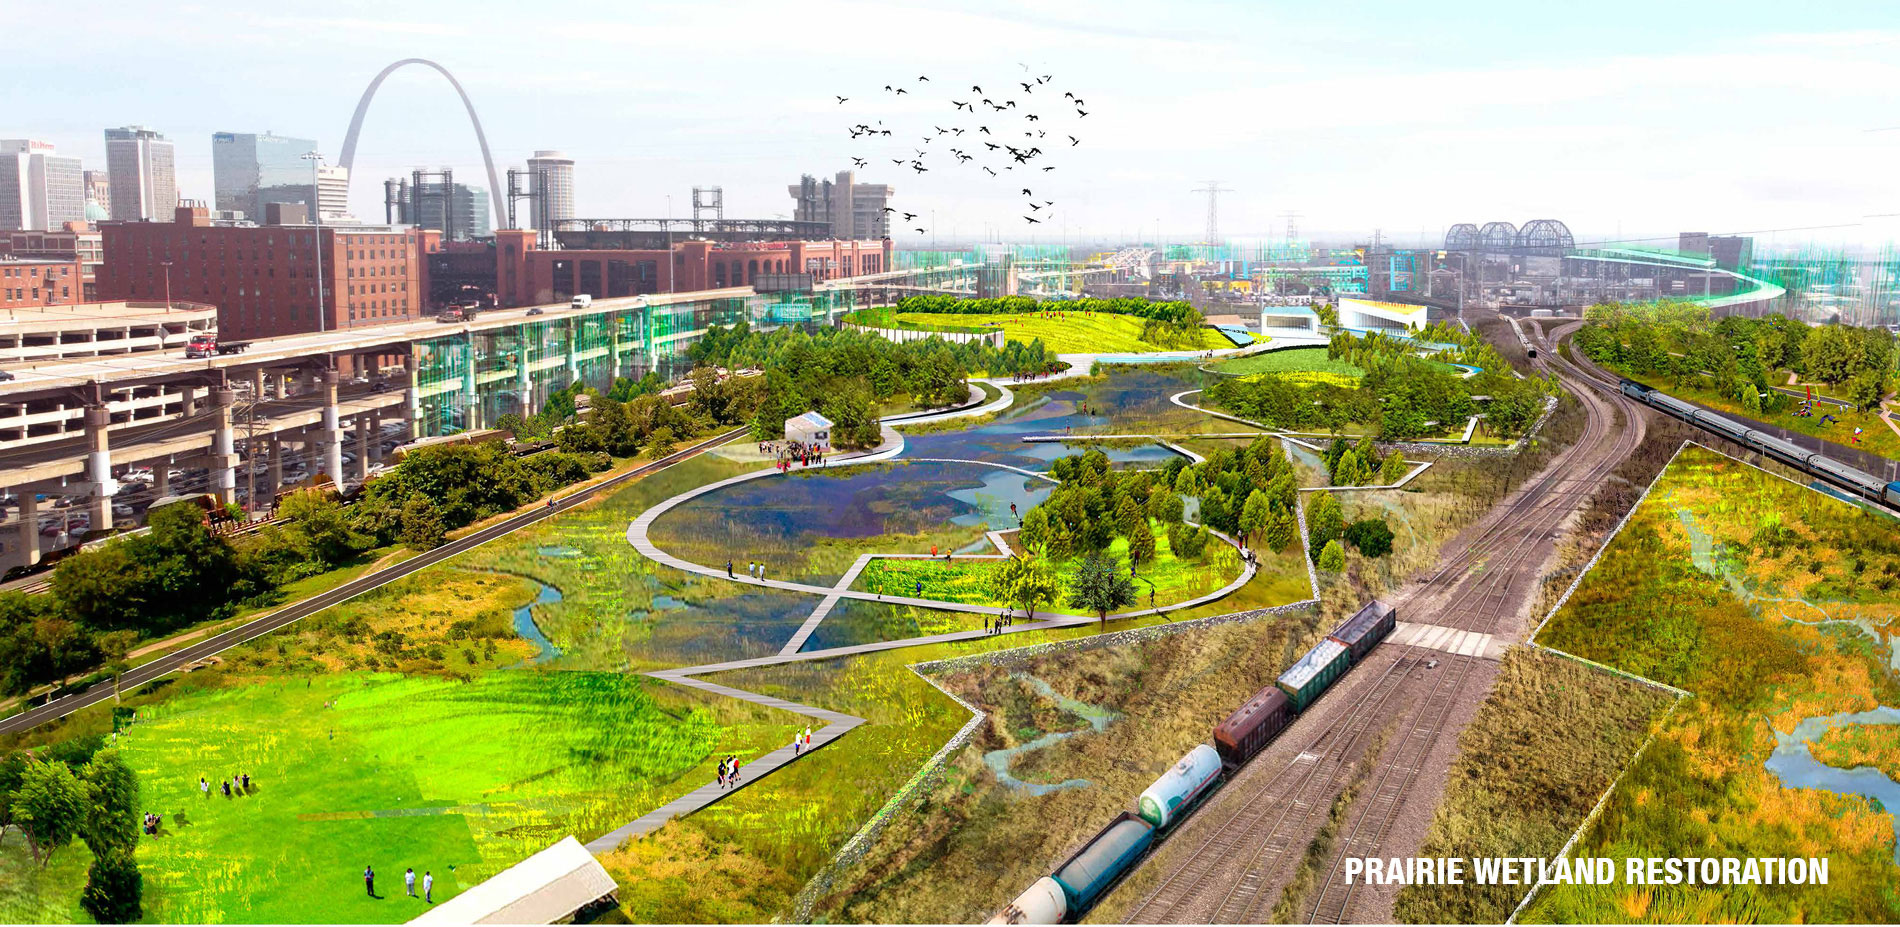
39 190
250 170
854 210
433 200
333 193
553 183
144 184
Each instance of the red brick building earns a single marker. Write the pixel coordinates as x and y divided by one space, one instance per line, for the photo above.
526 275
263 278
28 282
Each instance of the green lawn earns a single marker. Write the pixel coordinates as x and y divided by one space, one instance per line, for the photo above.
1290 360
1066 332
1174 580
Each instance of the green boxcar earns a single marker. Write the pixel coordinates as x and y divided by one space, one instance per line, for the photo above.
1308 677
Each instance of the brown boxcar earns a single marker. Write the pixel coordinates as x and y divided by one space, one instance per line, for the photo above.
1364 631
1252 726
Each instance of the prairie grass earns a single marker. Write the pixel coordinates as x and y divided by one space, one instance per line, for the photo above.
1064 332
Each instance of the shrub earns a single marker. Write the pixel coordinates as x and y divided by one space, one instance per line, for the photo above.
1332 558
1371 536
115 890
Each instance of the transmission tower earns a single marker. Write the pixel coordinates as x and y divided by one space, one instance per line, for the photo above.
1292 225
1213 189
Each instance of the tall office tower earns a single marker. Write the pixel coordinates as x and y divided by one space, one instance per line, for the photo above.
553 180
250 171
333 193
855 210
144 185
39 190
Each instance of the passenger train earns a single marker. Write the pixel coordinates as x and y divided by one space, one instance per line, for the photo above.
1861 483
1082 879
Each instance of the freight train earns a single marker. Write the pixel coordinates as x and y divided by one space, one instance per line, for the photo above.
1859 482
1082 879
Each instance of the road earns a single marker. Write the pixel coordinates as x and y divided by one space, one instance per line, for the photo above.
1388 732
296 611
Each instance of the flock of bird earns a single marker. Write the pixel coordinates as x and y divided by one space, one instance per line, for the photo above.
996 131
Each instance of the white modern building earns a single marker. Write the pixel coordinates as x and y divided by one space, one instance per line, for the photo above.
39 190
553 886
553 182
1366 313
144 180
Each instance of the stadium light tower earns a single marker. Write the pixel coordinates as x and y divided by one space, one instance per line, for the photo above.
1213 189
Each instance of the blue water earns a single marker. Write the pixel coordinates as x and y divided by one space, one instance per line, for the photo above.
1794 764
531 632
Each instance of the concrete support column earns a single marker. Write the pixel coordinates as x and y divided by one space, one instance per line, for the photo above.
99 482
276 481
524 385
223 461
162 479
188 400
332 439
29 536
411 397
362 447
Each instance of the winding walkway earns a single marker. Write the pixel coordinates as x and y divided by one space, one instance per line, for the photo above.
837 724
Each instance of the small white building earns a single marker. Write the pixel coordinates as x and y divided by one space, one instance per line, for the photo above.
1366 313
810 429
550 887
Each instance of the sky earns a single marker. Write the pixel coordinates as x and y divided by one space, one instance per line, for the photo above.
1624 119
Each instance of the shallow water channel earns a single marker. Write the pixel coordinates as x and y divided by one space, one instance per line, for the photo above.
999 761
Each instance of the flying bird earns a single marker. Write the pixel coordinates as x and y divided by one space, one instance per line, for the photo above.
1032 117
858 162
1026 191
901 90
841 99
909 216
1033 207
991 145
983 129
975 89
941 130
964 106
1080 113
920 231
890 209
1032 221
920 168
923 78
1068 94
897 160
1073 141
1048 169
992 173
1029 88
887 86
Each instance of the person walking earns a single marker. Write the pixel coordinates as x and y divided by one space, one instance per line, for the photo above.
729 570
798 745
807 736
409 881
369 881
204 786
428 887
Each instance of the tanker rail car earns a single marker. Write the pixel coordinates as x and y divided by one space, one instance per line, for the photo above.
1860 483
1067 893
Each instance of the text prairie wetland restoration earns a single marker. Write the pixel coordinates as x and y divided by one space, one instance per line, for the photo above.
1635 870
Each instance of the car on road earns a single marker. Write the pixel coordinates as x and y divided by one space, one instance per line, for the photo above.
535 311
6 375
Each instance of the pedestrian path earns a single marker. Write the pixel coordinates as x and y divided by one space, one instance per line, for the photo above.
1448 640
824 608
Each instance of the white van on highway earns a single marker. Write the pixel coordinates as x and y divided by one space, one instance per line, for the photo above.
582 301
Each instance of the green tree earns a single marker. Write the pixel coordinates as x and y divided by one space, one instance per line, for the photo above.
1393 470
319 526
1255 513
1165 506
853 417
1129 520
1371 536
113 792
115 890
661 442
49 807
1100 586
422 524
1185 483
1025 581
1866 389
12 772
1832 354
1282 530
1283 489
1750 398
1323 521
1332 557
1141 546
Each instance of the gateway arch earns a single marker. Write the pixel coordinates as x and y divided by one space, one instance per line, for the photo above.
362 106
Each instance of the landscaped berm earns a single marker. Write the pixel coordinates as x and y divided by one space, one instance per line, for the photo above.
1773 606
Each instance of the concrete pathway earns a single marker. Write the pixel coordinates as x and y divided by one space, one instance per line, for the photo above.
1448 640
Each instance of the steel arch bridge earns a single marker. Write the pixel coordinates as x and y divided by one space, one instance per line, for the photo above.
362 107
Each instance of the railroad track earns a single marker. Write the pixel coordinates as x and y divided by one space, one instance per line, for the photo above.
1399 770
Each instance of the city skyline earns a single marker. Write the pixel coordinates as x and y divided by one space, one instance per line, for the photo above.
1389 118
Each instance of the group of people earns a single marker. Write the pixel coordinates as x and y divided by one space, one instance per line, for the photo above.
997 624
1030 375
729 772
801 742
408 883
150 824
238 784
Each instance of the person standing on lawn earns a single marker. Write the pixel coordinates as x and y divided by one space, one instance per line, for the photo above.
369 881
428 887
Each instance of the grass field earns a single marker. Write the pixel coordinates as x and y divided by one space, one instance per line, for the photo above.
1174 580
1290 361
1067 332
1551 736
1771 604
